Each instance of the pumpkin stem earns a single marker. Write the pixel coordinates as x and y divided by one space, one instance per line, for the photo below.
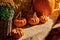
17 15
20 14
34 15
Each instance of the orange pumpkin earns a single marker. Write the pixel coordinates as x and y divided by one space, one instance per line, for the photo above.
43 19
17 33
20 22
44 7
34 20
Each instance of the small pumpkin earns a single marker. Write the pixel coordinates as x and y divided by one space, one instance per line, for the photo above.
17 33
20 22
43 19
33 20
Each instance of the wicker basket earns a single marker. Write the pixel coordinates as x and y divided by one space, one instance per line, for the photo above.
5 28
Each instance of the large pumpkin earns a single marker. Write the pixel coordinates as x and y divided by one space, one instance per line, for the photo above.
44 7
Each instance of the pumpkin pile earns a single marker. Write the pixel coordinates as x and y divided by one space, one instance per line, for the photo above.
33 19
31 13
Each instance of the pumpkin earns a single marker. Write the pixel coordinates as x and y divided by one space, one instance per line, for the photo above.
43 19
17 33
33 20
20 22
44 7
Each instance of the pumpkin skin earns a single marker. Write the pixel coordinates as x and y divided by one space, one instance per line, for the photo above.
20 22
33 21
44 7
17 33
43 19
